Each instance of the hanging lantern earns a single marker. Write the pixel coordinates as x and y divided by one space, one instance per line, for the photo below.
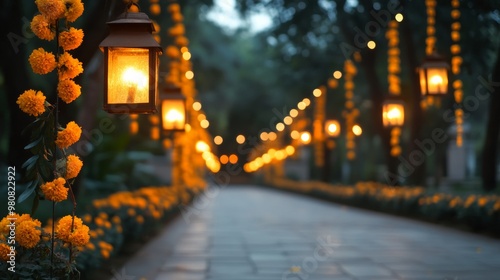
434 76
393 113
332 128
130 65
173 109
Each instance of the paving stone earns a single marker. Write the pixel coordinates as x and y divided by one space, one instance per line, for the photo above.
249 233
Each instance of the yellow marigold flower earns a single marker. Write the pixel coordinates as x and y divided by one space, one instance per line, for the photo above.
42 62
52 9
28 233
32 102
71 39
74 9
105 254
69 135
69 67
4 250
68 90
55 190
40 26
140 219
90 246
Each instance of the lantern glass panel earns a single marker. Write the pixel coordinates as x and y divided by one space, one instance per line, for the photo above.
129 76
393 114
174 114
434 81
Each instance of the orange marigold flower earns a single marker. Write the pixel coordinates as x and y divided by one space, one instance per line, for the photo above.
73 166
28 233
40 26
32 102
42 62
69 67
78 235
71 39
174 8
55 190
68 90
69 135
177 17
4 250
52 9
74 9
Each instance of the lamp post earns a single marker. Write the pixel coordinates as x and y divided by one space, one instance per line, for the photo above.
433 75
173 119
332 131
130 65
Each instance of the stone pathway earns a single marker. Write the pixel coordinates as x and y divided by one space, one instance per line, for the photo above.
252 233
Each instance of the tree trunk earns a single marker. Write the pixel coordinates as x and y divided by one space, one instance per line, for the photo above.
13 65
489 168
418 175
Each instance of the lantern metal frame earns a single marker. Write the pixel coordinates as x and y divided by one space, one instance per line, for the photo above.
132 31
437 62
392 101
170 94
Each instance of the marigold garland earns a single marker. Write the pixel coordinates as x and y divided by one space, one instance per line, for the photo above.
456 62
32 102
42 62
70 135
350 112
71 39
394 82
68 90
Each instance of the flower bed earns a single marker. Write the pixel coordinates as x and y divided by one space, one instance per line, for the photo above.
479 212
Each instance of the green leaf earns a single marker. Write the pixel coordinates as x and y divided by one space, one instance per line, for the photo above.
29 162
33 144
27 192
45 169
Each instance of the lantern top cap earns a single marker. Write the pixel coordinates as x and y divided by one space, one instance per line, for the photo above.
394 100
172 92
434 60
133 18
133 30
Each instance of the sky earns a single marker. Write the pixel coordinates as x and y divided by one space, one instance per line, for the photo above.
225 14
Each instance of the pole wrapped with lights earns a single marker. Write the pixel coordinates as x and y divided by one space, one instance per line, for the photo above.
319 120
456 62
130 65
350 113
393 108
